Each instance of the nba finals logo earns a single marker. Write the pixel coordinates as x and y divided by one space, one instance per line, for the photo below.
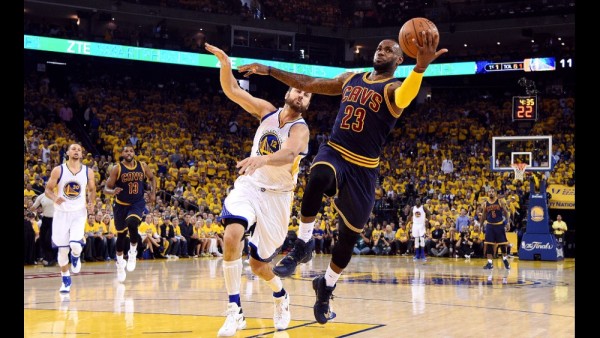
269 143
537 214
72 190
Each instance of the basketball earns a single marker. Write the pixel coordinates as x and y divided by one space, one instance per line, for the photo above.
412 30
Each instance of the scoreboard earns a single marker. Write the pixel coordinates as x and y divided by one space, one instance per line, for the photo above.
525 65
524 108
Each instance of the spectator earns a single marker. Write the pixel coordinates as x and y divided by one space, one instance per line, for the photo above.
559 228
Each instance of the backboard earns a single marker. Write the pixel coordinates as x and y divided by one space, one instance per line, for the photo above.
535 151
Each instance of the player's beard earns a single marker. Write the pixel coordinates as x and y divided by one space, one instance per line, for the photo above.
383 67
297 107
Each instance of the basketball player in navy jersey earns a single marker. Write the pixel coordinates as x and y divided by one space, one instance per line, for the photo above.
495 215
126 182
72 180
347 166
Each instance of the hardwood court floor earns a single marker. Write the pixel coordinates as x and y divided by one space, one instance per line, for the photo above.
376 297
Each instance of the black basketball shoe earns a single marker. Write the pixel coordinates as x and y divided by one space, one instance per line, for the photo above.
300 253
324 293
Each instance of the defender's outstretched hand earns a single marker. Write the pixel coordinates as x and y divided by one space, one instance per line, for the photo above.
217 52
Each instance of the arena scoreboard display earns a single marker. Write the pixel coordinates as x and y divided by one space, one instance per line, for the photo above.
524 108
526 65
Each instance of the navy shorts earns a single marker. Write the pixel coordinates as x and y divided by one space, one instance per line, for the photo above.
495 234
355 187
122 212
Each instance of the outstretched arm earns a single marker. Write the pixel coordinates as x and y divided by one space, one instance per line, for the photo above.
231 88
315 85
292 147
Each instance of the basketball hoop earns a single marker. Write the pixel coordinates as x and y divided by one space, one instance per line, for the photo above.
519 169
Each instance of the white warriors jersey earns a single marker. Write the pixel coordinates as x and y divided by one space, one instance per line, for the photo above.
268 139
418 218
72 187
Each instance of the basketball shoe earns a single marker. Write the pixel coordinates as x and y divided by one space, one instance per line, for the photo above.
488 266
281 317
121 274
131 260
235 321
506 264
66 284
75 264
300 253
324 293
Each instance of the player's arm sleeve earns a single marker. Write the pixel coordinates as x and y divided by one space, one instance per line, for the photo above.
409 89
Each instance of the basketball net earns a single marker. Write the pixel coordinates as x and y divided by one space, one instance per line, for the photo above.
519 169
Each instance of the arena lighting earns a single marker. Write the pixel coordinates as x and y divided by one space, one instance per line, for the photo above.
87 48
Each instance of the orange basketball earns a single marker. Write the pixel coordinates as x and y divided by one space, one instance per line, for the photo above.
412 30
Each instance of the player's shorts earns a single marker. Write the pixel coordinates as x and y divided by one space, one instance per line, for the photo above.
356 187
270 210
495 234
418 231
68 226
122 212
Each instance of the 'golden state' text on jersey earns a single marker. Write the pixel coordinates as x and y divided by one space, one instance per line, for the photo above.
269 138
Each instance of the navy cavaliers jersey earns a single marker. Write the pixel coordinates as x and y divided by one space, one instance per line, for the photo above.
494 212
364 120
131 180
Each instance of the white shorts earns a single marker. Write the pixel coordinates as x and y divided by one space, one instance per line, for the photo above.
268 209
418 230
68 226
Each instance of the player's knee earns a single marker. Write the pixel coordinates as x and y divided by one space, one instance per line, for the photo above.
231 240
132 225
63 256
75 248
321 181
343 248
422 240
322 178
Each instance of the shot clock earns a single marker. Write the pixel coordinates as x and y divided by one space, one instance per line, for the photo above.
524 108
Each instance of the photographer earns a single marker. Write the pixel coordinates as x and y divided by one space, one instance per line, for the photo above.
362 244
464 246
441 248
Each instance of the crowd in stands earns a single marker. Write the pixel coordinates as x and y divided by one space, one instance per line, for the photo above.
191 137
336 13
330 13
